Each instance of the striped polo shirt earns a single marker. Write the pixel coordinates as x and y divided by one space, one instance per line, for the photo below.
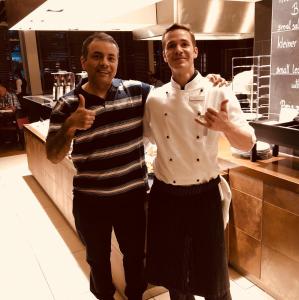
109 156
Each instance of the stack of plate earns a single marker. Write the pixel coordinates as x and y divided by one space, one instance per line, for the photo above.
263 151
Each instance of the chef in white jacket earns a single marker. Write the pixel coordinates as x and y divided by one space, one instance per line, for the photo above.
185 118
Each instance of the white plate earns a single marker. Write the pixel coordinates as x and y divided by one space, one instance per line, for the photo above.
252 116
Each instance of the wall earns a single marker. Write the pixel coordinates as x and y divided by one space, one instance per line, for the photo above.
262 32
62 50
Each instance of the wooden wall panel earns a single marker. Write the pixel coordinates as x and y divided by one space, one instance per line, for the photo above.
280 274
283 194
244 251
246 213
246 181
280 231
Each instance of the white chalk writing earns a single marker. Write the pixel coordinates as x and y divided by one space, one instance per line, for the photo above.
283 70
295 9
287 69
289 26
295 85
295 69
281 43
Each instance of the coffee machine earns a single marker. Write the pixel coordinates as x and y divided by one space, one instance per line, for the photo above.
63 83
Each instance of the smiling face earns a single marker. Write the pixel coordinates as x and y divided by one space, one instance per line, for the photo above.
101 62
179 51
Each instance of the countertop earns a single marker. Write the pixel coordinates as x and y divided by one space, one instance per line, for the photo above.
284 166
46 100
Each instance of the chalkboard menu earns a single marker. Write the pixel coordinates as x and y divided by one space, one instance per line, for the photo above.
284 84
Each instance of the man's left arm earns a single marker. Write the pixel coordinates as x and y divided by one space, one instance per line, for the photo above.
240 137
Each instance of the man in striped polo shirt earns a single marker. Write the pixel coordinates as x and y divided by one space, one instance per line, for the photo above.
102 117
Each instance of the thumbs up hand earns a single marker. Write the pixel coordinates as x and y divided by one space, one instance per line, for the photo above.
82 118
215 120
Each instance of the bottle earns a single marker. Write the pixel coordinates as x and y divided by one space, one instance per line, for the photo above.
55 91
68 85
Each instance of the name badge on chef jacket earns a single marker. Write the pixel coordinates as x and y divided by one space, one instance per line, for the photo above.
197 101
198 97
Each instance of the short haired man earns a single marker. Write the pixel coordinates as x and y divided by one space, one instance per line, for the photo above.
103 118
185 246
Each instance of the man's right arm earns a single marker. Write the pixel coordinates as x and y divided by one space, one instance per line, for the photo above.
58 144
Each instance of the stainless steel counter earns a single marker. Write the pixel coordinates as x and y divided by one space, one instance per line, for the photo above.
46 100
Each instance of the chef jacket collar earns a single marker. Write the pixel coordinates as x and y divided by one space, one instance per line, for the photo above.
190 85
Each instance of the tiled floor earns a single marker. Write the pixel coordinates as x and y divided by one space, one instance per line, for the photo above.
41 257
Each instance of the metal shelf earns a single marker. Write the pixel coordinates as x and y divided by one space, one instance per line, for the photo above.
258 94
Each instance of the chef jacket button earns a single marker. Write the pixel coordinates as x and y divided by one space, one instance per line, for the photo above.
167 136
199 113
174 181
197 159
197 136
170 159
197 180
165 114
201 90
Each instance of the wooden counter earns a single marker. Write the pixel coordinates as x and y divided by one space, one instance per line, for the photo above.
57 181
284 166
264 222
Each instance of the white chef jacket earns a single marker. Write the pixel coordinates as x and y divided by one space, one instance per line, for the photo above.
187 151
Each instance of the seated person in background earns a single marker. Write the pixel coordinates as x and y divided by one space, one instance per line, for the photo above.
9 99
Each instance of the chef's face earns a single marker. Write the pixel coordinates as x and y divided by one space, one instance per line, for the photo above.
101 62
179 51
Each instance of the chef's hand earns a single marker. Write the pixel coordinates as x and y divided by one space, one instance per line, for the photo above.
215 120
217 80
81 118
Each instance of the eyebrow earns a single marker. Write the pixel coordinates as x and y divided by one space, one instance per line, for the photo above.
101 53
181 40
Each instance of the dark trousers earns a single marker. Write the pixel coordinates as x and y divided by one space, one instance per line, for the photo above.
176 295
95 218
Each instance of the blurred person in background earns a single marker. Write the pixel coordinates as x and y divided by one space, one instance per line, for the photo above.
9 100
21 84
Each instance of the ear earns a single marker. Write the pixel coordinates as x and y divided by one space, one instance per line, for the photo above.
164 56
82 60
196 52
